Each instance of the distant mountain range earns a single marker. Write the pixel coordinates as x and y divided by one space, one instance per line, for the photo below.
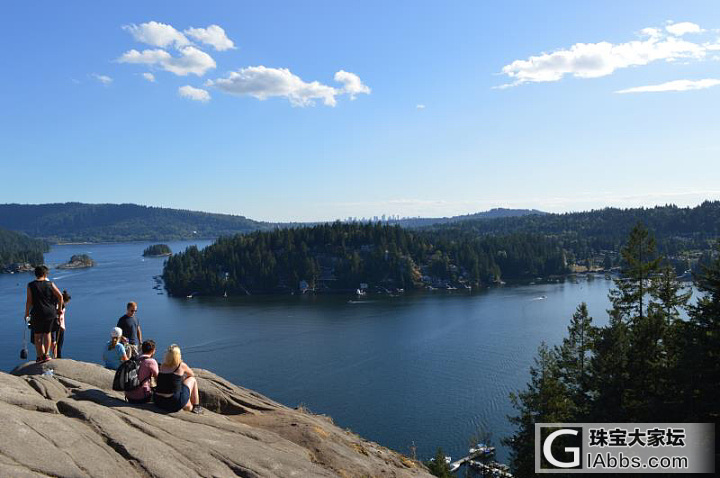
79 222
491 214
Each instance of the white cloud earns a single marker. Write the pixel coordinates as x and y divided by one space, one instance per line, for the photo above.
680 29
677 85
191 60
104 79
353 85
213 35
157 34
420 107
262 83
651 32
195 94
593 60
149 76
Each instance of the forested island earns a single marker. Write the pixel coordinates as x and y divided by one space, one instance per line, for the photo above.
157 250
345 257
78 261
20 253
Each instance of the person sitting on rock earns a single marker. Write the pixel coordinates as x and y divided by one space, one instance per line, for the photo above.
147 370
176 384
114 352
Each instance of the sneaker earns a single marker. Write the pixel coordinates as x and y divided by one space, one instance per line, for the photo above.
197 409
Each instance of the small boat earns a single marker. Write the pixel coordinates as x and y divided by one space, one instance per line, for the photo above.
482 448
448 459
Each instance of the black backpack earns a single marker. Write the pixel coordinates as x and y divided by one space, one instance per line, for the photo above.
126 376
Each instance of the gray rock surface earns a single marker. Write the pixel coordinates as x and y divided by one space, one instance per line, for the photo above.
72 424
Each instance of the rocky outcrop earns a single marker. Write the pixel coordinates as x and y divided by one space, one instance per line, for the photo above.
70 423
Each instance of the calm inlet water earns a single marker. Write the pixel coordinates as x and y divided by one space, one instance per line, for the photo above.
432 369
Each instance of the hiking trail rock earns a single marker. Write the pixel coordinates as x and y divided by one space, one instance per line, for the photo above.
72 424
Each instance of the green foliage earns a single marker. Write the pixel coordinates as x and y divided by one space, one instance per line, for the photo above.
646 365
590 233
640 263
157 250
438 467
18 248
340 256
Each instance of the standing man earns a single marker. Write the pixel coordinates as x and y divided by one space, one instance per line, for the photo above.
130 326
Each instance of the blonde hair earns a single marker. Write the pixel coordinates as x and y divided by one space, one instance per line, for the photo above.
173 357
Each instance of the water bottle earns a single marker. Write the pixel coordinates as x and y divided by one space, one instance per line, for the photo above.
49 373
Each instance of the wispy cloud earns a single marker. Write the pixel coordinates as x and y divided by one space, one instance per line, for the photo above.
191 60
593 60
157 34
420 107
149 76
353 85
676 85
213 35
680 29
262 83
104 79
195 94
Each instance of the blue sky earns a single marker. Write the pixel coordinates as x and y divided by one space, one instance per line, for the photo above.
323 109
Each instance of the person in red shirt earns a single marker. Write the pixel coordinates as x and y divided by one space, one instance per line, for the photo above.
147 372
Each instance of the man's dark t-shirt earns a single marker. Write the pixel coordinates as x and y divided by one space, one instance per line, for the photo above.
129 327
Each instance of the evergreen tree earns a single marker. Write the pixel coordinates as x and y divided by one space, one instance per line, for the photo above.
438 466
574 360
703 353
609 371
545 399
639 262
670 293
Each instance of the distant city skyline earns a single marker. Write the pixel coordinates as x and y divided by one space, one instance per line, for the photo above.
285 112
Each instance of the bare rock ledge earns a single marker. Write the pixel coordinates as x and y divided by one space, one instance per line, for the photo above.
72 424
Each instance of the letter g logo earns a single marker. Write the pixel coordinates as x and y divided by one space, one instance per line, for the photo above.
575 451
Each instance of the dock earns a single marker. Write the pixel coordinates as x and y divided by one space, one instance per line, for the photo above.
493 468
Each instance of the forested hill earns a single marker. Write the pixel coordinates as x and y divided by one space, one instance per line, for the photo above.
491 214
18 248
77 222
675 228
342 256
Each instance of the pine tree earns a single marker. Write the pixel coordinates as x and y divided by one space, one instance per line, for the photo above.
574 360
670 293
609 370
703 353
545 399
640 262
438 467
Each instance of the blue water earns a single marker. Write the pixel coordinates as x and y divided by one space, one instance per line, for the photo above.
431 369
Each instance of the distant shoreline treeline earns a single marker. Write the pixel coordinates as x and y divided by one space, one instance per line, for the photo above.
17 248
339 256
77 222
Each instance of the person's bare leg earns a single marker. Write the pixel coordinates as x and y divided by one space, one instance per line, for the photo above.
47 341
191 383
38 347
